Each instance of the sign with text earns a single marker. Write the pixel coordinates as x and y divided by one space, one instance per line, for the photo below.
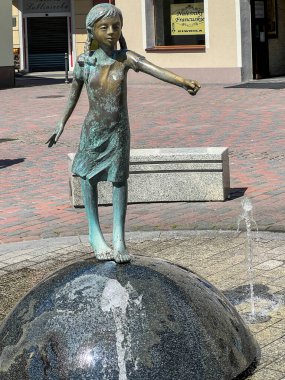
187 19
46 6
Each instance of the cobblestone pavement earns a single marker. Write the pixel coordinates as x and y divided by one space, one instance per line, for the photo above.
220 257
249 119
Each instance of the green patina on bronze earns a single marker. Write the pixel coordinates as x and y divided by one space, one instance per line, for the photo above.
104 148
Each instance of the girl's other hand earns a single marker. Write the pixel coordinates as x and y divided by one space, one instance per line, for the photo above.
51 141
55 136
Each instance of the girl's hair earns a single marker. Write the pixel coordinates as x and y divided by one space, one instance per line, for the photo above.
97 13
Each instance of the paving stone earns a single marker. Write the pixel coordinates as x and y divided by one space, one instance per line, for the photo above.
267 374
274 273
2 265
280 324
44 264
272 352
278 282
279 365
269 335
16 259
19 265
280 312
270 264
257 327
2 272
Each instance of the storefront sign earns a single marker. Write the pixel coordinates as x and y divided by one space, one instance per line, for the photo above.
46 6
187 19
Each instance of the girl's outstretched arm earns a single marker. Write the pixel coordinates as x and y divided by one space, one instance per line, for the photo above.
139 63
75 92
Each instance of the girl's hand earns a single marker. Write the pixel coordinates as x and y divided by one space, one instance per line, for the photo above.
192 87
55 136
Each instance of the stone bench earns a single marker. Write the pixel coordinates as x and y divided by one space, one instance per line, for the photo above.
168 175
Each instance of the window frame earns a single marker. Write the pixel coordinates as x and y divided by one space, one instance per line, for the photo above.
151 36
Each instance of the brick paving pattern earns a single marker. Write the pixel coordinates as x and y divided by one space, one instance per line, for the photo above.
34 198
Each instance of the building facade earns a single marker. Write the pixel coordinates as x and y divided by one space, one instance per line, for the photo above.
6 56
214 41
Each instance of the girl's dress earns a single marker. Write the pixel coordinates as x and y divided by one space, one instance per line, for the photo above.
104 148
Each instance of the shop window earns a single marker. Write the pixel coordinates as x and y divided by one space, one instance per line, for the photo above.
179 23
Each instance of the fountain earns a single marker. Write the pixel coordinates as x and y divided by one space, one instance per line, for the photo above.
148 319
247 216
264 302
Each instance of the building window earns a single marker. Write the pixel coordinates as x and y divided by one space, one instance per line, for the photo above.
179 23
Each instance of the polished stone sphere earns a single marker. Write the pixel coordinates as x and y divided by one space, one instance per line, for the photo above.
145 320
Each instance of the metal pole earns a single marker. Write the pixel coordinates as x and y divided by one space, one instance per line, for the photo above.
66 67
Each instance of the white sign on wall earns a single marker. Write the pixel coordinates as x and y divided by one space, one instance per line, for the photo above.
46 6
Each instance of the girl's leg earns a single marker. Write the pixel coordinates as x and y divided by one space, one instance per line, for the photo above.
90 195
120 197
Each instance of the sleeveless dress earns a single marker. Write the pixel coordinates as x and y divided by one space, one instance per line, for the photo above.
104 148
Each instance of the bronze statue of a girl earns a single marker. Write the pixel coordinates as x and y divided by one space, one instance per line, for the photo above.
104 148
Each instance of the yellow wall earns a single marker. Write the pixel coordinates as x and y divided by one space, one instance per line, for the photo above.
81 8
16 35
222 50
132 24
222 31
6 41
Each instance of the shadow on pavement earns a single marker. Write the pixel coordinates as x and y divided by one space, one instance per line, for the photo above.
7 140
237 192
260 85
31 80
6 163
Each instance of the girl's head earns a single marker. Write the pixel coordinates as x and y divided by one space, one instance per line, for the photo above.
98 13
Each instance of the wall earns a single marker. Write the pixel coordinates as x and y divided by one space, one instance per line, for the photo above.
16 33
6 45
277 45
81 8
218 63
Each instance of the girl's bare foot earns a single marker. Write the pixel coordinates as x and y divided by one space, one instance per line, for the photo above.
101 250
121 254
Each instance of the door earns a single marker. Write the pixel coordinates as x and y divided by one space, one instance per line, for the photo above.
47 43
260 53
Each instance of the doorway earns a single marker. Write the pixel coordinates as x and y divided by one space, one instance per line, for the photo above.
260 51
47 43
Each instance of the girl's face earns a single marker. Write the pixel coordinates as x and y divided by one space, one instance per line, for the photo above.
107 31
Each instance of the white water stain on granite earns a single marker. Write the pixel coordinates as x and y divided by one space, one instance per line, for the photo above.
116 299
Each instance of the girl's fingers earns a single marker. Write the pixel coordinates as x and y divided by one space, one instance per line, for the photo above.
51 141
